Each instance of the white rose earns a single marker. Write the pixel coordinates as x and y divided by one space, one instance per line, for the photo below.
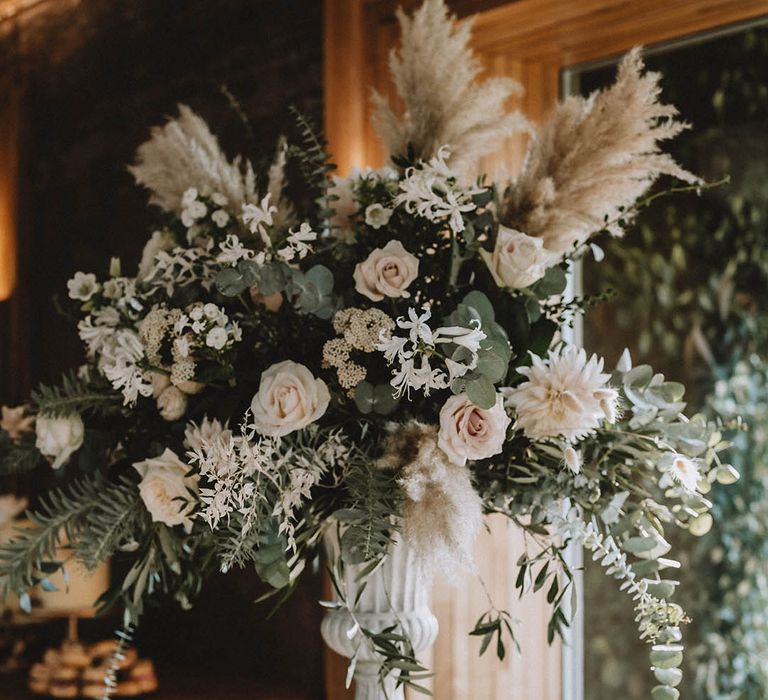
518 260
386 272
82 286
377 215
468 432
159 241
164 482
289 398
172 403
58 438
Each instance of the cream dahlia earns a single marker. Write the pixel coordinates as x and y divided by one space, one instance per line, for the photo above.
566 395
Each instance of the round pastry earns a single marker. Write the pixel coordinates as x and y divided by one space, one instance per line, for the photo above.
64 674
62 690
128 689
103 650
95 674
39 672
38 686
51 657
93 690
144 674
73 654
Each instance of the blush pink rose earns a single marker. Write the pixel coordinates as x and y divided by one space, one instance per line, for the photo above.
468 432
289 398
386 272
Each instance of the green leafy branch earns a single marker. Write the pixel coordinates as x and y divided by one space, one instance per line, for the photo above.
96 517
73 395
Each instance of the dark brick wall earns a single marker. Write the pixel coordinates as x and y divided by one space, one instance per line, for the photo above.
95 75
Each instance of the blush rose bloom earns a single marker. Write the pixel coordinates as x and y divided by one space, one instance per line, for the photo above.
386 272
166 488
468 432
289 398
58 438
172 403
518 260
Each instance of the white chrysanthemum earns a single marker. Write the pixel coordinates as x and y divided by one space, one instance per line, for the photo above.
565 395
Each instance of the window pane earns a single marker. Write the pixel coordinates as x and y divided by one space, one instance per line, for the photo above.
691 280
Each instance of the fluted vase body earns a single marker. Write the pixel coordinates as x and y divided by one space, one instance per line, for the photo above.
397 592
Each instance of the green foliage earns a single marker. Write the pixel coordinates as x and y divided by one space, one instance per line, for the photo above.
314 162
495 623
73 395
97 517
494 354
375 399
18 457
313 291
369 519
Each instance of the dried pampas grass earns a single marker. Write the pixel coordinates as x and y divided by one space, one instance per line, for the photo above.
592 160
442 512
276 184
435 74
184 153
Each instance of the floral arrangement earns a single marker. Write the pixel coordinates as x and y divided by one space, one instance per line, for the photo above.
385 359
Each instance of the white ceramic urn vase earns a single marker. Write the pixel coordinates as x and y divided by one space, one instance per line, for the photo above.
398 591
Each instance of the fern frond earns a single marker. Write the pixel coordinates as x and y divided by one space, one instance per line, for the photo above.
88 513
371 517
114 520
18 457
314 161
73 395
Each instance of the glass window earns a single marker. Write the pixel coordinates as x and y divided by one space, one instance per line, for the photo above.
691 279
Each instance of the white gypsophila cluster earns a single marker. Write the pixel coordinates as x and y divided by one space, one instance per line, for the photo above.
420 345
209 326
194 210
341 197
565 395
432 190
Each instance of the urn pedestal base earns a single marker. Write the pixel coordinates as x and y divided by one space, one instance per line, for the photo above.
398 592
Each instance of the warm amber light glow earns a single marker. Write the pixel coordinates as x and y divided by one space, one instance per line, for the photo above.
8 188
7 258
